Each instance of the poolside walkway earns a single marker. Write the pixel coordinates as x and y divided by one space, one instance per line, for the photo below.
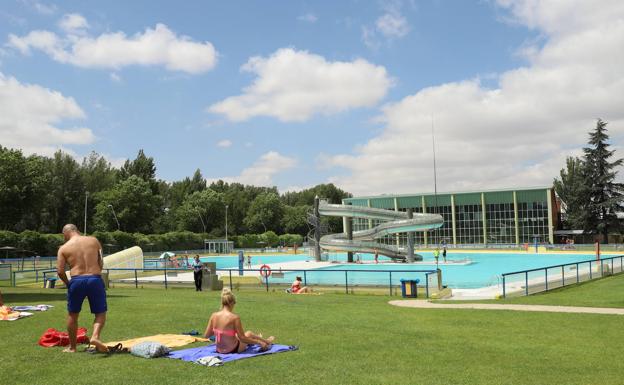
423 304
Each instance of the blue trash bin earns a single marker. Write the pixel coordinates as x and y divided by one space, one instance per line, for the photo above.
50 283
408 288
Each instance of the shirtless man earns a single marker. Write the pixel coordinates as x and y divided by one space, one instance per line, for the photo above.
84 257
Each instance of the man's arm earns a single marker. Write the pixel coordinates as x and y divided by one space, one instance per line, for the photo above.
60 267
100 255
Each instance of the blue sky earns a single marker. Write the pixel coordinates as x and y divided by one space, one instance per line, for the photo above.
337 84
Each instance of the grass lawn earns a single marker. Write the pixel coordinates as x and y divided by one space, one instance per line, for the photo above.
342 339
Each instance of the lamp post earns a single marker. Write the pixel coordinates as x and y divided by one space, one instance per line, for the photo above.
115 216
226 229
85 221
201 219
227 244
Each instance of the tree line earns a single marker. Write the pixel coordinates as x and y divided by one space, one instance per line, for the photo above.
39 193
589 189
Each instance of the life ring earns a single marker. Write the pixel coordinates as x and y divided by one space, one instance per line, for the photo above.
265 271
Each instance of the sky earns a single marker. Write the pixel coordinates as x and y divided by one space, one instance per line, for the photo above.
296 93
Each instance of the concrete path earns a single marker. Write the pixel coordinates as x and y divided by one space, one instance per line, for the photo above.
421 304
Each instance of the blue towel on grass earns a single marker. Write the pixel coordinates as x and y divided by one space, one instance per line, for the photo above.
194 354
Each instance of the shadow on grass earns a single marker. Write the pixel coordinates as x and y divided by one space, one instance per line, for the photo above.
37 298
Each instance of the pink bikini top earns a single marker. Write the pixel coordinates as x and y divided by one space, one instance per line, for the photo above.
218 333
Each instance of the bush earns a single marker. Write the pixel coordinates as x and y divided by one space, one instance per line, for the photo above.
291 239
8 238
270 239
53 242
32 242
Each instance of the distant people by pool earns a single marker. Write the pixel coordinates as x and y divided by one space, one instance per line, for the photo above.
249 261
227 328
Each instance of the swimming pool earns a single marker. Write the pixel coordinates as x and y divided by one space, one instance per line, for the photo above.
485 269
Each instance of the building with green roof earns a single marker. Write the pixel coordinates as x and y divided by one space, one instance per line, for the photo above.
493 217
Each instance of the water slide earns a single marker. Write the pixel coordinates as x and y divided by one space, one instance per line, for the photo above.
365 240
131 258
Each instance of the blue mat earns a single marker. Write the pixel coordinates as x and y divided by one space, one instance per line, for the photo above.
194 354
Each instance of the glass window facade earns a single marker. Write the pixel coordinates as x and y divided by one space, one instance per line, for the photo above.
500 225
533 221
442 234
469 223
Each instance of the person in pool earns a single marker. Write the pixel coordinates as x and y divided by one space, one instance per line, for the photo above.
296 287
228 330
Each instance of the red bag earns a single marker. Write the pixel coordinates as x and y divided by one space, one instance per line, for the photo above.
53 337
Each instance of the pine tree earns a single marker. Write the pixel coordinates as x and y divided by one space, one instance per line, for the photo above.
605 195
574 193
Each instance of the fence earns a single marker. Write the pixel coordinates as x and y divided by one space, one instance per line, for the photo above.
6 271
28 263
342 280
533 281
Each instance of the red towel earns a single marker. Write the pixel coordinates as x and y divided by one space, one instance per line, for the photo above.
53 337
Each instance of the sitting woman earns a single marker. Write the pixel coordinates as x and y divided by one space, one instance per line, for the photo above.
228 330
296 287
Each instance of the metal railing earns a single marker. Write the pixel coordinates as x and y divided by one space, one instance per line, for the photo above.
542 279
27 263
166 277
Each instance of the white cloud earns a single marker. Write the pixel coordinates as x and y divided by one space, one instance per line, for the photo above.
262 171
517 134
115 77
73 23
392 25
225 143
157 46
39 7
308 17
30 116
292 86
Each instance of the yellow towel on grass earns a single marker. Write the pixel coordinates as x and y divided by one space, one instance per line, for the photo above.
169 340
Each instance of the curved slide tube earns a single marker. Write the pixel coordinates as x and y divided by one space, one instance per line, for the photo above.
365 240
131 258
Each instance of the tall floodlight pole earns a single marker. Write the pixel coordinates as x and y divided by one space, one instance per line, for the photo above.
115 216
317 230
435 177
227 244
85 220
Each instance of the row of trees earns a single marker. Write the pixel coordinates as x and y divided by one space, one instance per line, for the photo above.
33 243
43 193
589 189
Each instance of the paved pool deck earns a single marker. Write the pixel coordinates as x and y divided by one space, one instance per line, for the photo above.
423 304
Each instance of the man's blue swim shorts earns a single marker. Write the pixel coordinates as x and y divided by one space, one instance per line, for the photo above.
91 286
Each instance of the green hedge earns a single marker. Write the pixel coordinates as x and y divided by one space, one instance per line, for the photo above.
48 244
268 239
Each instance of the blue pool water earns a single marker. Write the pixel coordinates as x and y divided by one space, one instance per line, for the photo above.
485 269
232 262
